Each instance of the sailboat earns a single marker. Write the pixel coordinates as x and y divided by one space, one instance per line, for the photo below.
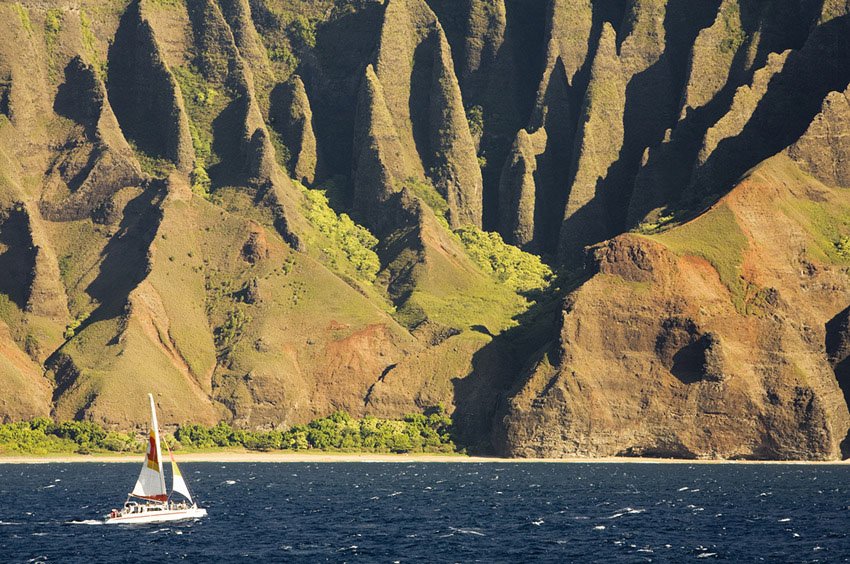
150 502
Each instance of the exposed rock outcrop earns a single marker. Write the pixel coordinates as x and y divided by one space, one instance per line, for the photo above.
601 134
294 120
712 57
760 126
144 95
380 162
688 373
517 188
423 99
239 18
489 49
101 163
824 149
151 237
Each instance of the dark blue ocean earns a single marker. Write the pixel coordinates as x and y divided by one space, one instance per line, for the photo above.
443 512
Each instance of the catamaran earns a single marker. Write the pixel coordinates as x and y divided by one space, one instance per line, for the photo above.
150 502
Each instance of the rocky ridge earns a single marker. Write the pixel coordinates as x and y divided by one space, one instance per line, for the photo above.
265 210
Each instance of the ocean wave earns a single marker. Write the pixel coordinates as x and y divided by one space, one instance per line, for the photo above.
469 531
626 511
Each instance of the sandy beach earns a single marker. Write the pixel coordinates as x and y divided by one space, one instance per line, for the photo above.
324 457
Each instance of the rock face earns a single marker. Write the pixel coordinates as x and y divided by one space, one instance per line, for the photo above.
295 122
423 99
380 162
824 149
684 167
144 94
102 162
687 374
601 133
838 351
517 188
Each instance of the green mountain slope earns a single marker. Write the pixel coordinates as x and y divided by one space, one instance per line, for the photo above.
582 227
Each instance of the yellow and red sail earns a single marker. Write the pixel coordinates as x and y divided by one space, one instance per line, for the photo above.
151 482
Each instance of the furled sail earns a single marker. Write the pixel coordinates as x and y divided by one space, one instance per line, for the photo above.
151 482
178 484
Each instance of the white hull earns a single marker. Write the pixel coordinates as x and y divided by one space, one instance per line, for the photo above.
158 506
157 516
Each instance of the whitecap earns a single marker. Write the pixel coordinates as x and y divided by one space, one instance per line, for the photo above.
599 528
229 482
9 523
394 494
626 511
785 520
682 489
707 555
538 522
476 532
85 522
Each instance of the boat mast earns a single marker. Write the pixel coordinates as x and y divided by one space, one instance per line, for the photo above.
155 428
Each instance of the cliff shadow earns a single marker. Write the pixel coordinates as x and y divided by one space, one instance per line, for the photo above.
794 97
419 101
77 97
345 45
228 145
553 165
588 225
17 257
652 101
125 259
501 367
664 179
140 88
837 345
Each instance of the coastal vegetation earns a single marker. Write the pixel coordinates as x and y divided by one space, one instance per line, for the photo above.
428 432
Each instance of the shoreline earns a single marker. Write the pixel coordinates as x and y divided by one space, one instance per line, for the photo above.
326 457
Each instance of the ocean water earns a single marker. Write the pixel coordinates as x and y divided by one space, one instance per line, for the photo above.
439 512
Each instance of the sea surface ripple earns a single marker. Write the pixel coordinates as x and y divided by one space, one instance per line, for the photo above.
438 512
